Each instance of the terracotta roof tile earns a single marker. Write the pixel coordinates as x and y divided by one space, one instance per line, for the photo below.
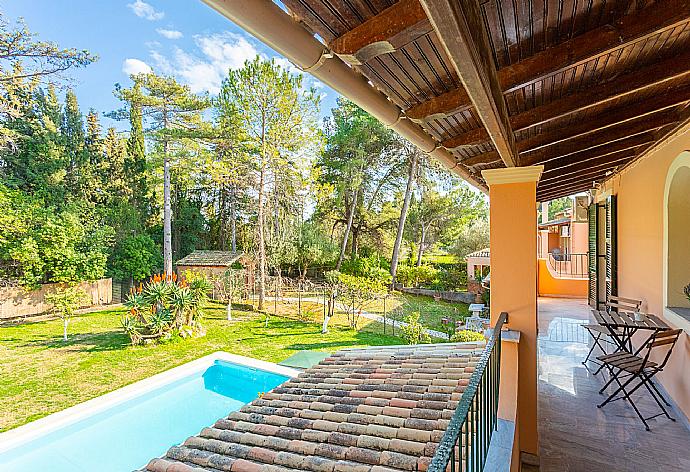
360 410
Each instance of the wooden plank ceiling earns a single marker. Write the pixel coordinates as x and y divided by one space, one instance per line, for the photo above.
582 87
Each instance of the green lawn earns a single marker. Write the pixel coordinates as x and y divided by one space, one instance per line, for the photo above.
39 374
430 311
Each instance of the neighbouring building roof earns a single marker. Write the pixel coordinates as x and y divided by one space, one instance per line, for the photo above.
486 252
210 258
360 410
556 222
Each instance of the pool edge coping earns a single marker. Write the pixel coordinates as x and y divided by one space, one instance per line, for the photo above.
43 426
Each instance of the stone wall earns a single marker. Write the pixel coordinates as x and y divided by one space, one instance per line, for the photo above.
15 302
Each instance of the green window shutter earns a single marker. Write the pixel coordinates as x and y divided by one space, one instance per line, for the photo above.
592 291
612 246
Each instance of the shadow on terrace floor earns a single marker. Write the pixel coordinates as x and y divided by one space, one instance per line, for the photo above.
575 435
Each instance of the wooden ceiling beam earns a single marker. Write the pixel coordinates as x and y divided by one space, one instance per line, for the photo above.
580 168
639 79
545 197
583 159
600 138
459 26
606 119
588 177
629 29
393 28
588 146
484 158
609 119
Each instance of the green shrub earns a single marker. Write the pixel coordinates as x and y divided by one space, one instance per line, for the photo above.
414 332
466 335
413 276
136 257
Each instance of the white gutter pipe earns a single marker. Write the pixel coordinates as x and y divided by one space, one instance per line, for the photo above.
277 29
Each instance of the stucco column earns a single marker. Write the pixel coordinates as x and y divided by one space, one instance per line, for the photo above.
513 216
470 271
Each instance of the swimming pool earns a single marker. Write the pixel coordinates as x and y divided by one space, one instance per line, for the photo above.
123 430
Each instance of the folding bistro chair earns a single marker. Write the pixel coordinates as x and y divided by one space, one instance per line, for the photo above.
600 333
632 371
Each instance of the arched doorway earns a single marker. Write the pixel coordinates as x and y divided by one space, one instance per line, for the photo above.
678 232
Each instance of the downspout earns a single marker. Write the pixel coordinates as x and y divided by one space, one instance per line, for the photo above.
278 30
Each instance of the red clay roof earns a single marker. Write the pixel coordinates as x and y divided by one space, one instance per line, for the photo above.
360 410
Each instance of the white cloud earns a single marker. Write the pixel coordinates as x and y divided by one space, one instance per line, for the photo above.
169 33
145 10
135 66
205 72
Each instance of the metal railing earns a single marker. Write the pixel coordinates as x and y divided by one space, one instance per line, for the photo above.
570 265
465 444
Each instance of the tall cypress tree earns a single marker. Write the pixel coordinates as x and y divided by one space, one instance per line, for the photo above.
135 160
76 156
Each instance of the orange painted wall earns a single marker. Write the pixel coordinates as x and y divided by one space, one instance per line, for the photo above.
551 286
640 192
579 238
514 289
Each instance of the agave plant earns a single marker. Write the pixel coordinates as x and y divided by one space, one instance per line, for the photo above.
164 306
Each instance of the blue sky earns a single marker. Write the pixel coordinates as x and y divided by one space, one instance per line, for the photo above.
184 38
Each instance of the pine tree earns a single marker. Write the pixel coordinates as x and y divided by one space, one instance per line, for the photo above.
275 114
173 112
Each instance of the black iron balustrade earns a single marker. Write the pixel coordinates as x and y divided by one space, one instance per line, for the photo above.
569 265
465 444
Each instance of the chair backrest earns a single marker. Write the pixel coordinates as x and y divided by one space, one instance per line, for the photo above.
662 340
615 303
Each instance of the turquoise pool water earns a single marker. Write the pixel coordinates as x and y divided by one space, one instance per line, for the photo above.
126 436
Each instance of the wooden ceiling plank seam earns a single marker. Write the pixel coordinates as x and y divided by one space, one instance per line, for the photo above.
404 79
382 84
453 82
431 67
403 90
429 89
504 32
489 10
461 30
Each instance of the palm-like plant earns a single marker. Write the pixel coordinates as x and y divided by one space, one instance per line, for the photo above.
165 305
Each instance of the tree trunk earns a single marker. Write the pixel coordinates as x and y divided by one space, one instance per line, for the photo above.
420 249
348 227
233 223
222 216
354 250
167 217
261 240
403 214
65 321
